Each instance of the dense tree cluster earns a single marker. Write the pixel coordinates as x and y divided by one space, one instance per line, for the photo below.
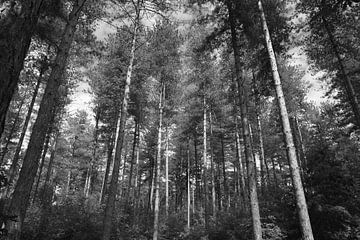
199 127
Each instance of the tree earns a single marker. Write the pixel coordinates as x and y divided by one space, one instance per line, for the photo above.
291 151
20 199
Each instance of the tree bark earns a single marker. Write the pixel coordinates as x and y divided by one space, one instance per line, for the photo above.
254 203
15 161
12 131
299 191
110 206
16 30
20 199
158 167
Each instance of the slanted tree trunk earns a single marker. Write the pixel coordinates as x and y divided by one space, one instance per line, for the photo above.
295 173
254 202
15 161
110 205
12 131
158 167
20 199
16 29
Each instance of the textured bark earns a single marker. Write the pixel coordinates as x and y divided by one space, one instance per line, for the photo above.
295 173
15 161
254 203
158 167
12 131
226 187
20 199
110 205
16 30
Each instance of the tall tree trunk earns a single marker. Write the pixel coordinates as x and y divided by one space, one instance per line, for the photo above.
299 191
254 203
204 168
158 167
20 199
110 206
12 131
15 161
110 148
16 30
188 186
212 172
167 174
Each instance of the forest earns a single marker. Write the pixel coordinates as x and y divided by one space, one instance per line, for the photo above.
205 119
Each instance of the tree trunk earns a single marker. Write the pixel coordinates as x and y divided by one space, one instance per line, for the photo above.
20 199
188 186
94 155
204 169
254 203
132 159
110 147
299 191
15 161
197 173
167 174
158 167
12 131
47 193
226 187
212 173
110 206
42 161
16 30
